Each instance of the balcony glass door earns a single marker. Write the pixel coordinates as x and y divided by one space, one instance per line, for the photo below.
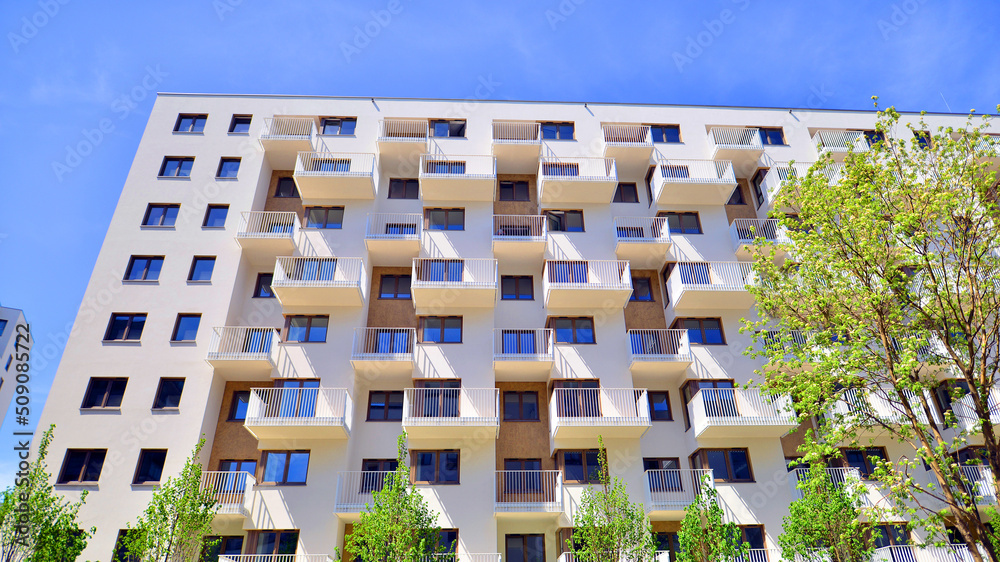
694 273
522 476
315 270
257 341
234 483
373 477
441 270
525 548
297 399
665 476
276 542
567 272
582 399
520 342
438 399
389 341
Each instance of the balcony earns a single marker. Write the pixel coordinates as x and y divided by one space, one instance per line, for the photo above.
276 558
776 177
914 553
520 355
692 182
451 412
354 490
317 281
393 238
752 235
457 178
719 284
643 240
659 352
402 139
589 412
528 492
242 352
232 491
299 413
383 350
965 412
282 138
327 177
980 484
670 490
516 146
741 145
630 145
869 492
838 144
577 180
454 282
519 236
587 283
867 408
740 412
263 235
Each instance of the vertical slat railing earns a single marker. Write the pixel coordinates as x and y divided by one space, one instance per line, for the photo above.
268 224
512 132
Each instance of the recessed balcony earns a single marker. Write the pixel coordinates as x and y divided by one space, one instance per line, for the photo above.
739 412
457 178
670 490
243 352
586 283
451 412
519 236
393 238
516 146
693 182
328 177
520 492
383 350
629 144
232 491
282 138
454 282
316 281
752 235
355 488
263 235
402 139
642 240
590 412
523 354
839 144
577 180
741 145
659 352
711 285
299 413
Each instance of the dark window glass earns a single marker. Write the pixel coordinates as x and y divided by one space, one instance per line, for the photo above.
524 548
706 331
581 466
324 217
176 167
240 124
385 405
186 327
445 219
262 289
144 268
641 289
190 123
238 406
565 221
626 193
437 467
104 393
125 327
514 191
228 168
150 466
659 406
772 136
728 465
516 287
285 467
924 140
737 197
665 133
520 406
874 137
441 329
286 188
682 223
573 330
215 216
201 268
169 394
557 131
161 215
395 287
757 183
307 328
339 126
404 189
864 460
82 465
454 128
753 536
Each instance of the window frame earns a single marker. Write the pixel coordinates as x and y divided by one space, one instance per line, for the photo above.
194 117
702 455
234 406
240 117
554 215
423 327
208 213
404 184
128 326
514 184
559 125
340 126
222 164
678 324
437 467
649 282
520 405
765 136
145 271
279 193
666 397
396 277
166 207
869 467
83 468
463 125
518 296
138 466
160 395
680 221
195 260
106 395
180 166
258 285
386 394
592 477
309 327
326 217
619 196
665 127
448 212
177 325
551 324
262 466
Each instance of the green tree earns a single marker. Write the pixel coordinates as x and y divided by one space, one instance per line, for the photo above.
53 532
891 287
175 524
608 527
398 525
704 536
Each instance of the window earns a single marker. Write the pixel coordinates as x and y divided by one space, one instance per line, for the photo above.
160 215
324 217
728 465
682 223
717 396
668 542
626 193
524 548
873 137
441 329
125 327
394 287
557 131
449 271
404 189
215 216
121 552
514 191
517 287
444 167
144 268
385 405
262 289
560 169
665 133
453 128
705 331
104 393
752 536
520 406
82 465
659 405
275 542
339 125
581 466
186 327
223 546
573 330
737 197
238 406
642 289
190 123
240 124
376 480
174 167
285 467
757 183
888 534
228 168
168 395
309 329
772 136
150 466
201 268
3 326
445 219
436 467
947 391
565 221
864 460
924 139
666 477
286 188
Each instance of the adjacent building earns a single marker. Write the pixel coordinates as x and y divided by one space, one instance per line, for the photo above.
10 319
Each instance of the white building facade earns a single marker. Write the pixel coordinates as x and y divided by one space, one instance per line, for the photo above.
10 348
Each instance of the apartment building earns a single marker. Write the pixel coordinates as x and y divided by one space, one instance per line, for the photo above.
10 348
298 279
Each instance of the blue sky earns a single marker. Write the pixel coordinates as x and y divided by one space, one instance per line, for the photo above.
68 65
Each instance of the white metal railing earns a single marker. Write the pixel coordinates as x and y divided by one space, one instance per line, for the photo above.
528 490
275 558
642 230
761 555
288 128
691 171
296 407
318 272
838 476
921 553
454 272
577 168
335 164
738 407
431 407
268 224
462 557
747 231
242 343
880 402
514 132
672 489
394 226
587 274
532 344
833 171
659 345
979 483
776 177
384 344
710 276
787 339
520 227
230 489
965 412
735 138
987 145
627 134
354 488
599 407
465 167
403 130
840 141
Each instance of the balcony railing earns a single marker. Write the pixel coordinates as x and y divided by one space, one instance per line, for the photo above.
394 226
403 130
335 164
528 491
288 128
317 272
776 177
673 489
520 228
980 484
383 344
858 405
966 415
230 489
599 407
712 276
354 489
840 141
514 132
837 476
241 343
642 230
917 553
695 182
588 274
748 407
659 345
268 224
761 555
735 138
523 344
455 273
299 407
468 167
627 135
745 232
437 407
275 558
577 169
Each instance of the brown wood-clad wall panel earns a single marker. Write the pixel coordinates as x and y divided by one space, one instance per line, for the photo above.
522 439
747 211
389 313
646 315
516 207
283 203
232 440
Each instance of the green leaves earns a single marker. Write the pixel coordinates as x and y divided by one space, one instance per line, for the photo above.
704 536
